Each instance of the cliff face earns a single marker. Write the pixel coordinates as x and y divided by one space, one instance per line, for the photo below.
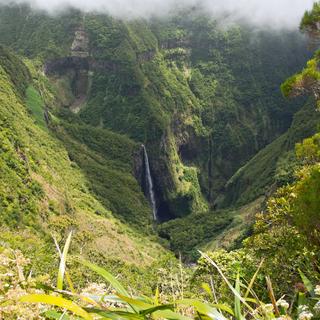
80 44
203 100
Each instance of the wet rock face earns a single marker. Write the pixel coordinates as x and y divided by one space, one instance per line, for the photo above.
175 43
61 65
163 208
75 67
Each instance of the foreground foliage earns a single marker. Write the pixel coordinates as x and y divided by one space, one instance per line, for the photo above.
110 300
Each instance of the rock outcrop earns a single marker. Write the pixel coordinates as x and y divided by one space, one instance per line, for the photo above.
80 44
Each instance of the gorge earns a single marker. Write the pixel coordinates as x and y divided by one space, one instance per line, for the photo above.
151 146
182 87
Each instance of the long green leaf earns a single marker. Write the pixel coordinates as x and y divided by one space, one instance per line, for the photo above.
302 299
306 282
157 308
135 302
220 306
258 302
115 315
107 276
203 308
223 307
207 289
58 302
63 259
156 296
112 299
170 315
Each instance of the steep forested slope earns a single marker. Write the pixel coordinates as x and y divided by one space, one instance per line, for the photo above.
44 194
274 165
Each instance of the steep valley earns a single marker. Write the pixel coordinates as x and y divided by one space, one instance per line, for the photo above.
88 90
159 166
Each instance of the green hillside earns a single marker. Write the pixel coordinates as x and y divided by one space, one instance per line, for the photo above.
160 168
44 193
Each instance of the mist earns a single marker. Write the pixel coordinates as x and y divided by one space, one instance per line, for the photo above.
267 13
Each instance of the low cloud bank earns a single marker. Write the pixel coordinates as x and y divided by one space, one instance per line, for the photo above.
268 13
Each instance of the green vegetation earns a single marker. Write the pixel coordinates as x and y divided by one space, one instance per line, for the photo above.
182 86
106 159
43 36
302 82
186 236
310 20
116 302
35 105
16 70
43 193
275 164
233 162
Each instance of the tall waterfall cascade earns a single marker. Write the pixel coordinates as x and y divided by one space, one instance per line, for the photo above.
149 184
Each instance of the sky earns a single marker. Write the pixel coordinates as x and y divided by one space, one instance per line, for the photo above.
271 13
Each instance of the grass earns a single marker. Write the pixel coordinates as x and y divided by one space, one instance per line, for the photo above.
36 106
118 303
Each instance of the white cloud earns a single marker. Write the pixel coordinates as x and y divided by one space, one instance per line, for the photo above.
273 13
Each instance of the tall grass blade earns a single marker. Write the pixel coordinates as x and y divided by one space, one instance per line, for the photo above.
107 276
302 299
170 315
157 308
62 266
226 280
69 282
156 296
58 302
135 302
253 279
115 315
111 299
237 302
156 312
272 296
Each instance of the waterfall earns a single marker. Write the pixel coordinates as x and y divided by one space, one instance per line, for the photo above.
149 184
